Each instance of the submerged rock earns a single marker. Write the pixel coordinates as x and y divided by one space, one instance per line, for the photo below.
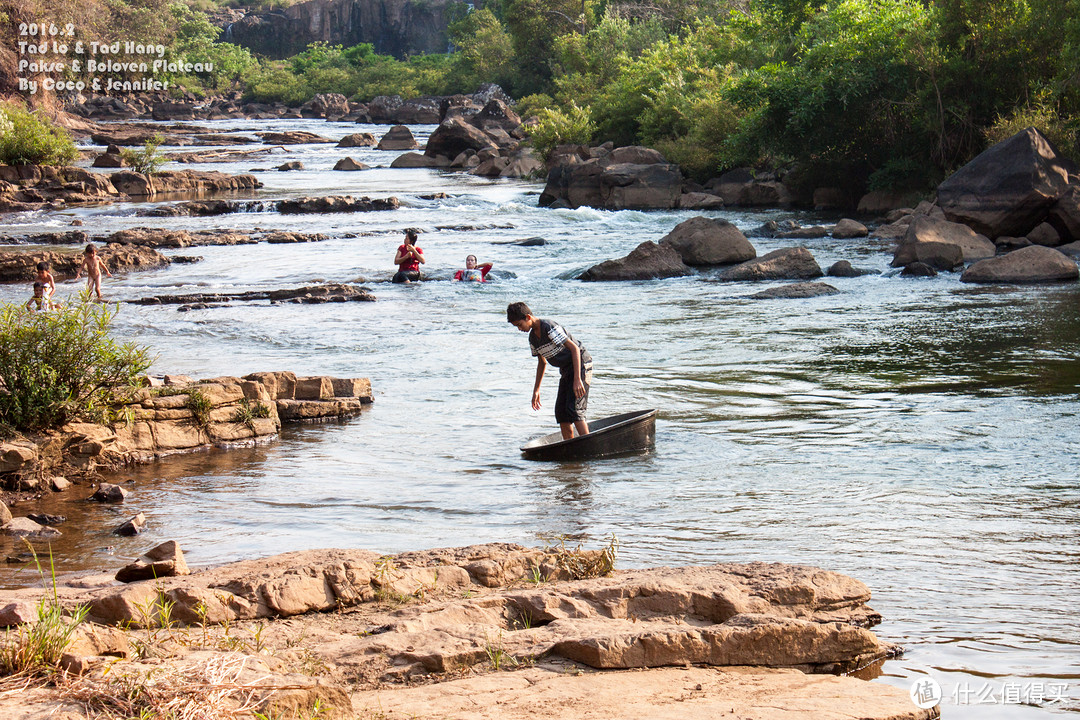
784 264
796 290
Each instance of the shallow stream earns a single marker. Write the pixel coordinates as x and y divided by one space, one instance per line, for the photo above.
917 434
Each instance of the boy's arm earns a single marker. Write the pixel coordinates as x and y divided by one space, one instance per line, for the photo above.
484 269
541 363
575 353
103 266
419 255
79 268
52 283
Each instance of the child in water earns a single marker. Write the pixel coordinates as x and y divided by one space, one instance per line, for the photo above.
552 344
44 287
93 266
472 271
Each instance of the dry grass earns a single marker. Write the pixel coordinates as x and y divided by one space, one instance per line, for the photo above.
209 690
579 564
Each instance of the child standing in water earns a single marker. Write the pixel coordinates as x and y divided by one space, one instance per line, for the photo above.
551 344
44 287
93 266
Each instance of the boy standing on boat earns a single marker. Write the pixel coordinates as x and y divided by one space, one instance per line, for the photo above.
550 343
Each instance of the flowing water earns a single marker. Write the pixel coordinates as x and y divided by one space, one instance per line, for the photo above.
917 434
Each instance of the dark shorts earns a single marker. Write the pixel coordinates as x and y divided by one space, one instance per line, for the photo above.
406 275
569 408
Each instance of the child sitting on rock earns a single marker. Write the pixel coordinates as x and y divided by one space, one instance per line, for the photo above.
44 287
93 266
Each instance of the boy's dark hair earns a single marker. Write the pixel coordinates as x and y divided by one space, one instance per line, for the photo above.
90 249
410 234
43 265
517 311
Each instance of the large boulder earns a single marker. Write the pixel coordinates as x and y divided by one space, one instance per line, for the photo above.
608 182
784 264
1009 188
398 137
496 114
1065 215
358 140
704 241
418 111
326 105
455 136
1030 265
848 228
647 261
925 235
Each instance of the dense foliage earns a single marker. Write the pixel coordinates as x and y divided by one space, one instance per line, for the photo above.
860 93
29 138
61 363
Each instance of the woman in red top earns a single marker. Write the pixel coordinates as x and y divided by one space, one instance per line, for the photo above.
408 259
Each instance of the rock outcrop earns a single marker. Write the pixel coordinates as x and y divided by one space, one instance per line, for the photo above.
647 261
18 266
626 178
437 625
393 27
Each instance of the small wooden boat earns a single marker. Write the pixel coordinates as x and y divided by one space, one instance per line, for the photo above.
616 435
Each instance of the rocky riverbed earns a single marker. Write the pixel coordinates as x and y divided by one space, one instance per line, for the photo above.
476 632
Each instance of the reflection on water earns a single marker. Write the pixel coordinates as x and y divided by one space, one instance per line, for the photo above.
914 433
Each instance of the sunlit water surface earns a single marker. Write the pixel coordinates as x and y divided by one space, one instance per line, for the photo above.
917 434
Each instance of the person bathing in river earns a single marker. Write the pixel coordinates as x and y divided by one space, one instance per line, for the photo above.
44 287
472 271
408 259
550 343
93 266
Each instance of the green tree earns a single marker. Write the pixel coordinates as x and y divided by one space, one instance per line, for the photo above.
485 52
855 99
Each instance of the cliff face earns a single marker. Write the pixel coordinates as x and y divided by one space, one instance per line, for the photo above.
394 27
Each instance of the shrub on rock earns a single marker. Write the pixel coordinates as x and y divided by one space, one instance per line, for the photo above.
62 363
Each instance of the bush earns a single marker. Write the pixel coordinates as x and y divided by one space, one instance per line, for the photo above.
59 364
556 127
148 160
27 138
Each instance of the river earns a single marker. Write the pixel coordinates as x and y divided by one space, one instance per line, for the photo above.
917 434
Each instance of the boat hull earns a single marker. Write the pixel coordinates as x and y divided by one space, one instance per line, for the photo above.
631 432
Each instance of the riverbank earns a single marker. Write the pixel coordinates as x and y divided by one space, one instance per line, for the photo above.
876 431
463 631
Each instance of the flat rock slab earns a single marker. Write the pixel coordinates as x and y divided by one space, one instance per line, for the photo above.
663 694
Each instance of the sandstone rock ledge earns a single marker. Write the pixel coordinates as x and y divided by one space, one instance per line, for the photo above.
183 416
499 630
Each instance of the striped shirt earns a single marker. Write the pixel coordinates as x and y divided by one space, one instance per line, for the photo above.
551 345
